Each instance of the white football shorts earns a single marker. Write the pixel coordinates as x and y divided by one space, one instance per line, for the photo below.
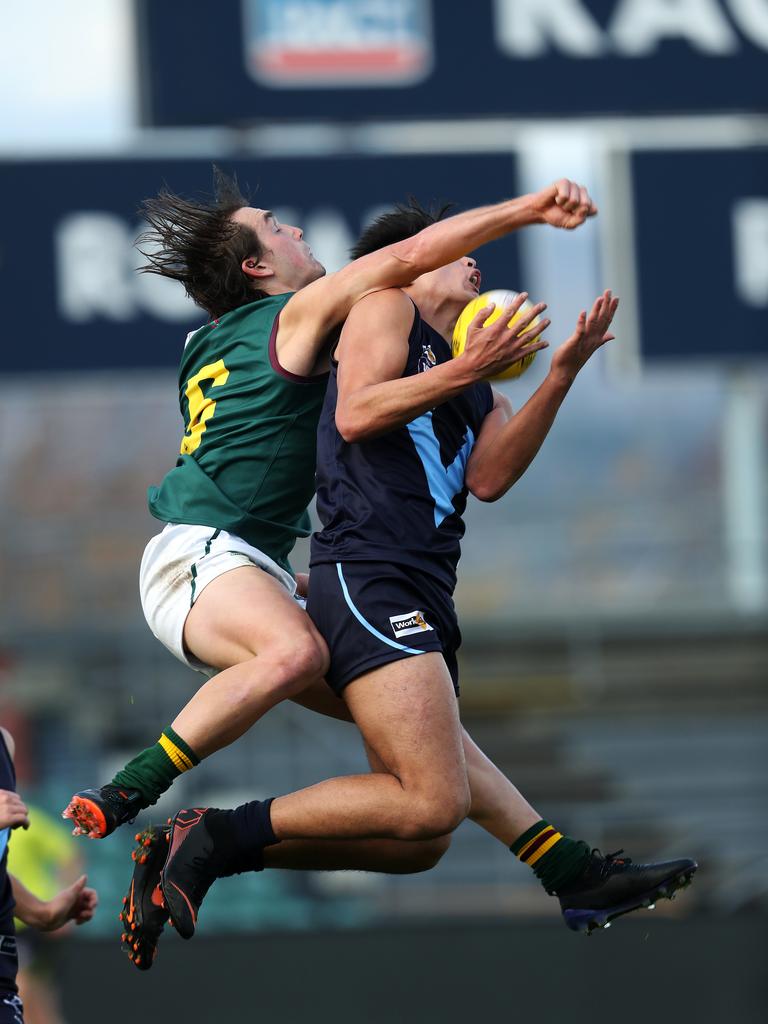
178 564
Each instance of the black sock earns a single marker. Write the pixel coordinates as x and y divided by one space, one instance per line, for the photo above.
241 835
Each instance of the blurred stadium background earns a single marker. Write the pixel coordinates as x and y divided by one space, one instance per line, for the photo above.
614 605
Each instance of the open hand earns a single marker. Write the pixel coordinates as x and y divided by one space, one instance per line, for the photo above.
13 810
591 334
496 346
564 204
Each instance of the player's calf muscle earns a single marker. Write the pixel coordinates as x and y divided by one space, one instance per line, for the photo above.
388 856
422 857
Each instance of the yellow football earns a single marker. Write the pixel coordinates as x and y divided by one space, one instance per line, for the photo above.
502 298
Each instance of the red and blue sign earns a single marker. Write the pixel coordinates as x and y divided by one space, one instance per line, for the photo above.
249 61
342 43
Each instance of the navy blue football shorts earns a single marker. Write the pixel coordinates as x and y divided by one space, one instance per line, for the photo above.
373 613
11 1010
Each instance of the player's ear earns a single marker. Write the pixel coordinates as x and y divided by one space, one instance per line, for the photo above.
256 268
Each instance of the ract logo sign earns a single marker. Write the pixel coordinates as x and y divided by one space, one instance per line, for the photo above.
96 277
337 42
634 28
339 60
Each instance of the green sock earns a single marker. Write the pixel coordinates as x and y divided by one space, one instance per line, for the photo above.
556 859
155 768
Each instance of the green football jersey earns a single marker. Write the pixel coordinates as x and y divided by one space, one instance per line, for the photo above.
247 459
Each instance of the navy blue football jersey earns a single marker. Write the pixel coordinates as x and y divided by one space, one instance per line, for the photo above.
399 498
8 782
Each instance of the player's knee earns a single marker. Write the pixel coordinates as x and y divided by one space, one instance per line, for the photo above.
308 658
435 817
296 662
282 670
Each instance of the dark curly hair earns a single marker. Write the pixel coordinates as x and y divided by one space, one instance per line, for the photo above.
198 244
404 221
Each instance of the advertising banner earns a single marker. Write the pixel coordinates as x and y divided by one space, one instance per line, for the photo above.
72 298
701 253
250 61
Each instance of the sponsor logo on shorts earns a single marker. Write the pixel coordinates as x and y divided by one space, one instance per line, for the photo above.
411 622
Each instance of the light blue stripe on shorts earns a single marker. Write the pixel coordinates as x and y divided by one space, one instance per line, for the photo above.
364 622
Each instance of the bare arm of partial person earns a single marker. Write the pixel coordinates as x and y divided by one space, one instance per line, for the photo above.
312 313
75 903
507 442
373 398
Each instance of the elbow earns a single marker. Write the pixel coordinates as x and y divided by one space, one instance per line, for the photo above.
352 429
356 421
483 490
486 494
347 432
488 490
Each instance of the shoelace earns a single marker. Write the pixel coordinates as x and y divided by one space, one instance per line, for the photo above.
610 859
607 862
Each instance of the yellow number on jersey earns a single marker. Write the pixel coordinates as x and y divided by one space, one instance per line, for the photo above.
201 408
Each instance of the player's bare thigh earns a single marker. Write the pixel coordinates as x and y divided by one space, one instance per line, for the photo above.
408 715
408 855
244 613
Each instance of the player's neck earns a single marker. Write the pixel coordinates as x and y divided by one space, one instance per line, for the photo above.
440 314
274 287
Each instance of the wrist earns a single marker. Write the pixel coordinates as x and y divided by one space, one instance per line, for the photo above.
463 371
527 209
38 915
561 378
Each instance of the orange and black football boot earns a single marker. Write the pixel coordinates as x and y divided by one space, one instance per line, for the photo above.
98 812
190 869
143 915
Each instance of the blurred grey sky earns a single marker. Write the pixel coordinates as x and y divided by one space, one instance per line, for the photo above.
65 76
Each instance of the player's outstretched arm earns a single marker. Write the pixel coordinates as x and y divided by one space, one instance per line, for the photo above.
373 397
507 443
317 308
75 903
